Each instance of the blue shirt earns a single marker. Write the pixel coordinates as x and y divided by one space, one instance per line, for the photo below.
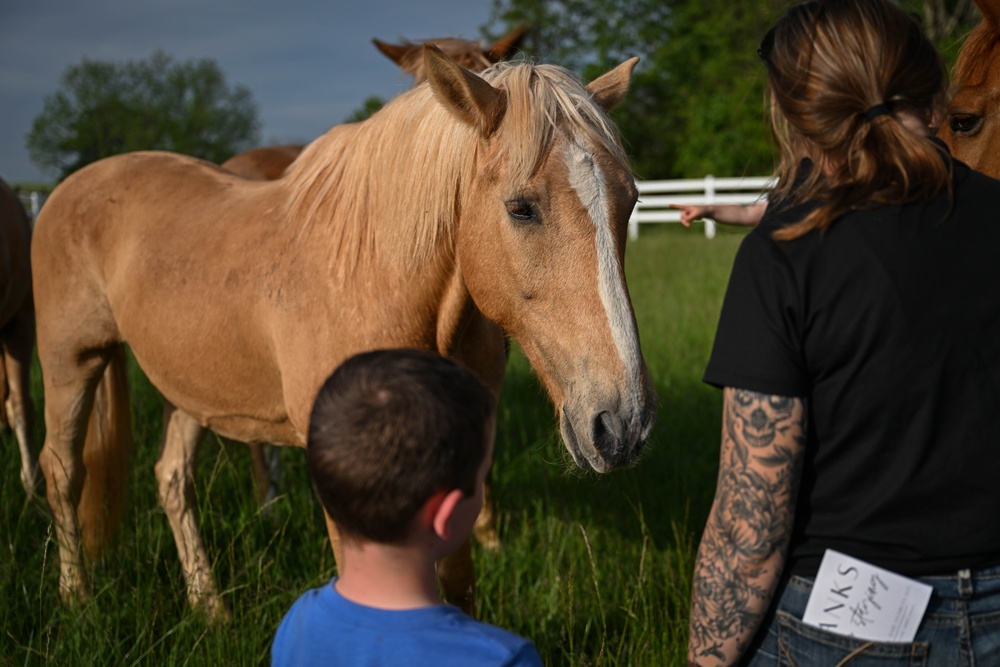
324 628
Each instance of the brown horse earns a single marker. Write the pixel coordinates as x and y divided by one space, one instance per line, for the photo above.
270 162
17 331
466 206
972 128
467 53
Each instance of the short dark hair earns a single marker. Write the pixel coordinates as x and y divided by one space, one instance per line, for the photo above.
388 430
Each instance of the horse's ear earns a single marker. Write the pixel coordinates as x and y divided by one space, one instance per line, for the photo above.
466 95
990 10
505 47
397 53
609 88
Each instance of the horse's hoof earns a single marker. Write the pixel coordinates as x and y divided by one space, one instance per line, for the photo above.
215 610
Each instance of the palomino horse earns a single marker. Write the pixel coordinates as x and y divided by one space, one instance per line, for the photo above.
270 162
239 297
17 331
972 128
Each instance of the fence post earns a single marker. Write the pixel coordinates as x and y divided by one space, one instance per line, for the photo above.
709 199
633 222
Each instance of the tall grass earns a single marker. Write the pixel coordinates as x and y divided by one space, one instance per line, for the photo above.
595 569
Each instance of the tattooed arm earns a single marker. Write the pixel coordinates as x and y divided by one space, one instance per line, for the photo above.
746 538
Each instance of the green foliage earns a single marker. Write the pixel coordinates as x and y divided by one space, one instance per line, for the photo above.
594 568
696 105
106 108
369 107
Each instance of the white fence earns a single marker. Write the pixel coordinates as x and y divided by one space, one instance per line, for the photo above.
655 198
654 202
32 203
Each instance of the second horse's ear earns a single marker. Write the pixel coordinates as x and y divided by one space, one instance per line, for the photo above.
401 54
609 89
466 95
505 47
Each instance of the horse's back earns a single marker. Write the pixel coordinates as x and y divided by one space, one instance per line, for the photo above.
160 251
264 164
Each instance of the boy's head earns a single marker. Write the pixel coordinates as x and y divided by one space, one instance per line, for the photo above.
390 429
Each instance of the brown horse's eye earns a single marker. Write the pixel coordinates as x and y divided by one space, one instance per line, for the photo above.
965 123
522 211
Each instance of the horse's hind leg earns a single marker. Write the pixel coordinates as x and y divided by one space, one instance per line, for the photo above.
69 381
175 480
18 344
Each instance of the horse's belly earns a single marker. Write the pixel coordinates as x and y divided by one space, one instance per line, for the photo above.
248 429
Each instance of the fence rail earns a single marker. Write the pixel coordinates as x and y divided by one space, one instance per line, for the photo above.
655 198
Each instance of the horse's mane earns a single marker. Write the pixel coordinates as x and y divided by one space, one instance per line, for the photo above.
390 186
974 57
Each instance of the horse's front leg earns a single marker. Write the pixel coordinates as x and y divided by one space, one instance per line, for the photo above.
457 576
175 479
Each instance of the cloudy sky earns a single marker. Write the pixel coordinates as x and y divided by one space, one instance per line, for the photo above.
308 63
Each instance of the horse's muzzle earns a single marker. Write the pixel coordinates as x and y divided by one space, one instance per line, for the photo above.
611 440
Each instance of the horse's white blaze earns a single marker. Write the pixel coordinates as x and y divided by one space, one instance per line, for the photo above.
587 180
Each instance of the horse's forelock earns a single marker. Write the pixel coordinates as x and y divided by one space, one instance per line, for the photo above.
974 59
539 98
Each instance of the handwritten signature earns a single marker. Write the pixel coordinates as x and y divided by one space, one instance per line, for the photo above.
861 613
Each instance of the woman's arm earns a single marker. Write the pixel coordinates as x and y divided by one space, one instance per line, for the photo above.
746 537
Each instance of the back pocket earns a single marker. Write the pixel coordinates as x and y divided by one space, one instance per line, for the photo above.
801 645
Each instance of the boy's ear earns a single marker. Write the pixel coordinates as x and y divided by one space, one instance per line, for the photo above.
440 510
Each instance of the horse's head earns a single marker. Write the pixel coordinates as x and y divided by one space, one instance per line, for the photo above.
467 53
972 126
541 239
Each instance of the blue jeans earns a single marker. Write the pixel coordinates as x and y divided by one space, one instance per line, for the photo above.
961 628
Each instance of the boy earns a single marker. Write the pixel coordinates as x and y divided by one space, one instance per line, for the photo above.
399 445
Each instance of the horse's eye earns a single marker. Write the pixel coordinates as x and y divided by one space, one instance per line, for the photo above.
522 211
965 123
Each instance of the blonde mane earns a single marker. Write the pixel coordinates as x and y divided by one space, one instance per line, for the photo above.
390 186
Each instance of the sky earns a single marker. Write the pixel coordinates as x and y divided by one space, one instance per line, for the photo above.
308 63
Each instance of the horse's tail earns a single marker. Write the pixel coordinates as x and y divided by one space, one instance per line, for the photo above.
107 453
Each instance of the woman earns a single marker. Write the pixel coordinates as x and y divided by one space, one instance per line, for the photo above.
859 352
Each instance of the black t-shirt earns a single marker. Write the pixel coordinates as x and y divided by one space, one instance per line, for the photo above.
889 325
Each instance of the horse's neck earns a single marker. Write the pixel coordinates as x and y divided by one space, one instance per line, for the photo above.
465 334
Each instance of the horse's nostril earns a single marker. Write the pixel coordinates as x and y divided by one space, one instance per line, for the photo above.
608 433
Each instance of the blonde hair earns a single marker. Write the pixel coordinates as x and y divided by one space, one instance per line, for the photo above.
348 182
843 75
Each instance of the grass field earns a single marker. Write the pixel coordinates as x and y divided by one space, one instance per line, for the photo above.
596 570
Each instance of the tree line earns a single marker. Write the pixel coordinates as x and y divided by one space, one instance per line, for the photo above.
696 105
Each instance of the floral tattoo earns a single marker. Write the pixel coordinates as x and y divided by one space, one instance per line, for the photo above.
743 547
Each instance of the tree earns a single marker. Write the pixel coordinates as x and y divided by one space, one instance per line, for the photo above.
696 104
106 108
946 22
368 107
